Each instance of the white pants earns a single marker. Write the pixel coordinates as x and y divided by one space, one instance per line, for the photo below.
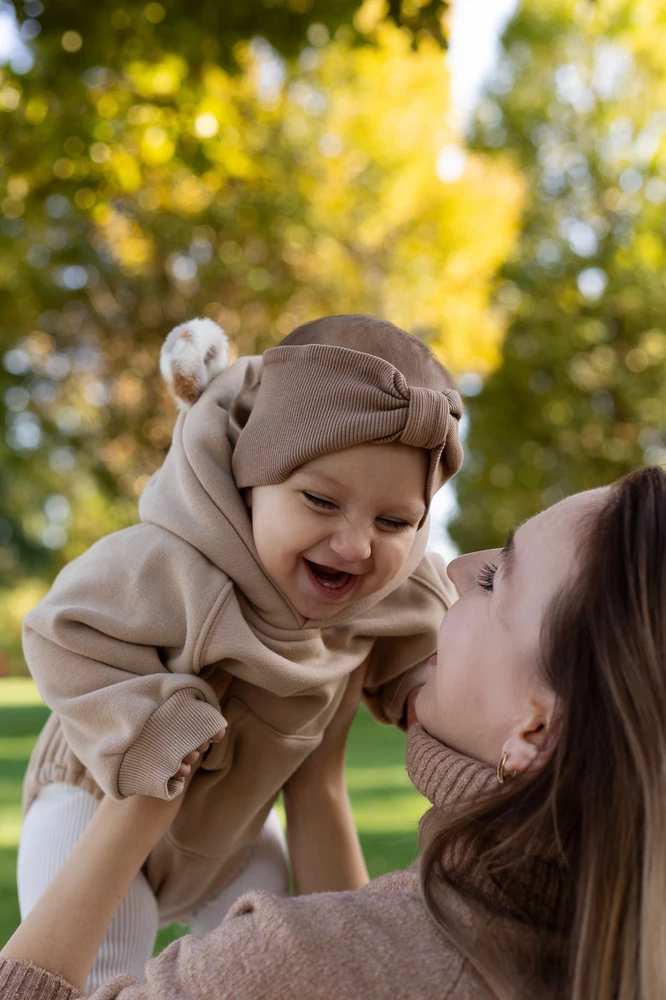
51 828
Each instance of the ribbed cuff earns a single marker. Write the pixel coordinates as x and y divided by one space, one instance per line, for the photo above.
441 774
179 726
24 981
388 703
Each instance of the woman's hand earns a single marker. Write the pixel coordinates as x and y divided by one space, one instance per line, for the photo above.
410 710
64 931
325 852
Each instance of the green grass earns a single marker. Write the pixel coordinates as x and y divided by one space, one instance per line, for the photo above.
386 806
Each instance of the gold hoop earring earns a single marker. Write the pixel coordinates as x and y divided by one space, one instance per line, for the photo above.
501 776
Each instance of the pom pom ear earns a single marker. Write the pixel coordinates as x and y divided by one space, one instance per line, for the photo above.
192 355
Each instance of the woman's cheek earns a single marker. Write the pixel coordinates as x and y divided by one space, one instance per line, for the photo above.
451 624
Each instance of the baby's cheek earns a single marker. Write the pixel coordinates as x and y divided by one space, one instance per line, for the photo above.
283 560
396 554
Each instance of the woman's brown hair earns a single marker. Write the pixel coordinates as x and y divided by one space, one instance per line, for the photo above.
596 813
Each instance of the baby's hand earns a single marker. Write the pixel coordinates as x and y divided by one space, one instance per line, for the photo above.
410 709
191 758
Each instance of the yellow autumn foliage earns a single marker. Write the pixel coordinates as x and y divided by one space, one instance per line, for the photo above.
354 140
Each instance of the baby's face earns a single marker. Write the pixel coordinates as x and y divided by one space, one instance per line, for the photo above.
342 526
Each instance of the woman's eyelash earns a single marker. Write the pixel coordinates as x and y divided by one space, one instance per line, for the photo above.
487 576
393 525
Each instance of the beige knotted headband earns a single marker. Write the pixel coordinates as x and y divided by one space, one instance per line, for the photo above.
315 399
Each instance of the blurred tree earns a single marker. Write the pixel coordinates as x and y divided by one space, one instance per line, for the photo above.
210 32
149 175
578 399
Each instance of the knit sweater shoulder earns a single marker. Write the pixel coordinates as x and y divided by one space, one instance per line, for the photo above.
378 943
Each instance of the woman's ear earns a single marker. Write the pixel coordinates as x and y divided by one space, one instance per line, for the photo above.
529 745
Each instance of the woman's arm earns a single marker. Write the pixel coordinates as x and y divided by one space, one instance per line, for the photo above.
64 931
325 851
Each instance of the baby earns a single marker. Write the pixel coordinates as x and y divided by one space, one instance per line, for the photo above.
281 545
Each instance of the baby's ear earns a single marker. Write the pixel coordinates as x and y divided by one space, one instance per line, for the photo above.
192 355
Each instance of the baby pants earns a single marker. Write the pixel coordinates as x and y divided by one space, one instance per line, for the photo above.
52 826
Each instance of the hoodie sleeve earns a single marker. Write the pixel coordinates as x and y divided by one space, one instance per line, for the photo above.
398 661
115 649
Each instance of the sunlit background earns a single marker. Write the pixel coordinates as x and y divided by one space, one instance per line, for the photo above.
502 196
259 166
487 174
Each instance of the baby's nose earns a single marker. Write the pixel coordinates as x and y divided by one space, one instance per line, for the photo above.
352 544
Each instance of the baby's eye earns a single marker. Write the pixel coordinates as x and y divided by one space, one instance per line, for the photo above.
386 522
486 576
318 501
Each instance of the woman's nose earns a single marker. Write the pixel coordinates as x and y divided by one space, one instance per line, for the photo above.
458 574
352 544
464 571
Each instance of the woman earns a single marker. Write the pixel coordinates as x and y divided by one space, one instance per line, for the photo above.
542 869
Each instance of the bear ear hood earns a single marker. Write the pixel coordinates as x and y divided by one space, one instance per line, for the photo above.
192 355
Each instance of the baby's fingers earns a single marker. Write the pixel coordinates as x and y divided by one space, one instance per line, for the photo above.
186 763
214 739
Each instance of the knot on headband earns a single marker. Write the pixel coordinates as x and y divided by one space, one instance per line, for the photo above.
427 416
315 399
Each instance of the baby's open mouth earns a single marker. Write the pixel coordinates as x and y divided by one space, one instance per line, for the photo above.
330 580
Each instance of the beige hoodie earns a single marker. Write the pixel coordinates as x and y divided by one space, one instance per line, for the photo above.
159 633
